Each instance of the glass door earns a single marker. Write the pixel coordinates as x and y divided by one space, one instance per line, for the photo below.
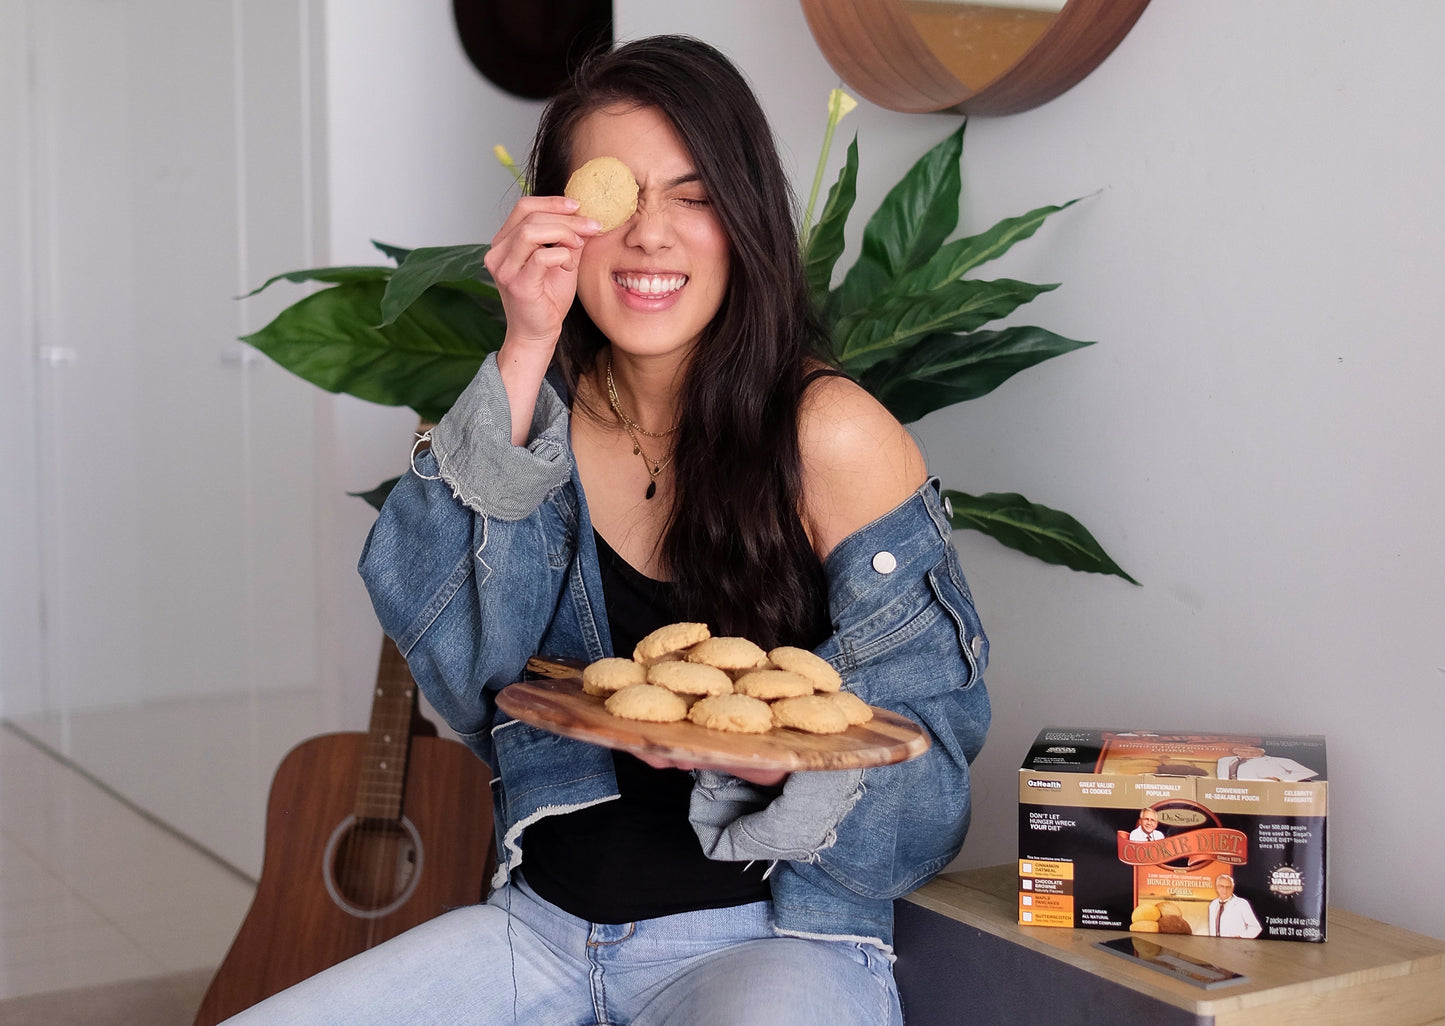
166 152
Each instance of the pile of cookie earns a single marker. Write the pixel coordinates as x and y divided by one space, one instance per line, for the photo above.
1158 917
681 671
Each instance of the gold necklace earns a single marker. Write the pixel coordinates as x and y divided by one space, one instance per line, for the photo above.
654 467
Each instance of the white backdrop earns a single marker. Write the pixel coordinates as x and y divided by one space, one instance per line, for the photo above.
1258 436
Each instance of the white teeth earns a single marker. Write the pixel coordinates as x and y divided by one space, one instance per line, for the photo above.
651 284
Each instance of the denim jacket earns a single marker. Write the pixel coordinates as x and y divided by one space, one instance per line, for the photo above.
484 556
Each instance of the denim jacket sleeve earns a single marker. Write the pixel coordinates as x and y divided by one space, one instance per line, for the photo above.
907 638
461 551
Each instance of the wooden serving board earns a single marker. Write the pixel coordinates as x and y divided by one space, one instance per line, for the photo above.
562 707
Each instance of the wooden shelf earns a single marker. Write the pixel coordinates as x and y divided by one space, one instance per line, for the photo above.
1367 972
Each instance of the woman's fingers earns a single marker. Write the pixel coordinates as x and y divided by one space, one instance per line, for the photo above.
513 249
534 259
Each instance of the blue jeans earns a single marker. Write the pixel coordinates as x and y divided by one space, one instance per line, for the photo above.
520 960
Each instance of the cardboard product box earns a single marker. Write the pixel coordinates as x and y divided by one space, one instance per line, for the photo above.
1153 832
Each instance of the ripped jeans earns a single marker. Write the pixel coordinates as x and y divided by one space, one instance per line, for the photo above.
519 960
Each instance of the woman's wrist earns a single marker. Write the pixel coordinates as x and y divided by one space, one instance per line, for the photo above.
523 366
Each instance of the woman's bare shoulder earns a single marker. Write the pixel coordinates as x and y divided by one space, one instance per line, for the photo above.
858 461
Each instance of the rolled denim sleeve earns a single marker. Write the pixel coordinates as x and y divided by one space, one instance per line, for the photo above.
462 551
907 638
475 455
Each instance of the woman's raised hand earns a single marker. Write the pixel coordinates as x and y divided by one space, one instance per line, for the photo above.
534 259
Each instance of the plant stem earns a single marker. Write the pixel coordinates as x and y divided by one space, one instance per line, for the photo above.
839 103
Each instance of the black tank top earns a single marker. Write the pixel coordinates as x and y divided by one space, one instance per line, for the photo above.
635 857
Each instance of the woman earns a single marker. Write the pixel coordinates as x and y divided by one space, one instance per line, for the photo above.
658 440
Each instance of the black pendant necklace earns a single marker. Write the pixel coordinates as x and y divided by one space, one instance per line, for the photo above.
654 467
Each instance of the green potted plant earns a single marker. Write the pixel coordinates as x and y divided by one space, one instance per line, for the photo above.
907 321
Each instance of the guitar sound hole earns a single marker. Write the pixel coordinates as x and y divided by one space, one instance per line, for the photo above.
373 864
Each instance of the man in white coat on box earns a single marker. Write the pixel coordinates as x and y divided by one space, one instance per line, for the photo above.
1229 914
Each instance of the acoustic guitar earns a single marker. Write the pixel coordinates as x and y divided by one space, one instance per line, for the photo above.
367 835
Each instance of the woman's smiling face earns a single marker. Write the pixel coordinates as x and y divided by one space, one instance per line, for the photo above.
653 284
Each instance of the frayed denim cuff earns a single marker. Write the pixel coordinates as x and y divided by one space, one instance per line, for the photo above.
796 825
476 458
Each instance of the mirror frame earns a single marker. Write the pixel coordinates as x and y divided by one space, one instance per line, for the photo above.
878 52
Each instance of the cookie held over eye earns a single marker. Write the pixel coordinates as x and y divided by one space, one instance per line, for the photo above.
647 702
606 191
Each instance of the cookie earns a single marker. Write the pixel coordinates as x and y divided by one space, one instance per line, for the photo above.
727 654
854 708
806 664
1146 913
606 191
647 702
689 678
770 684
669 639
1144 926
612 674
1173 924
738 713
815 714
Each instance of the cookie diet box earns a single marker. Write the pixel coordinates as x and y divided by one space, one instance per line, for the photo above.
1214 834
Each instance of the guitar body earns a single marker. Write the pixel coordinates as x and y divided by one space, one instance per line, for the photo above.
334 884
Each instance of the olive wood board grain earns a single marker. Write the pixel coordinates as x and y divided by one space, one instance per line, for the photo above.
562 707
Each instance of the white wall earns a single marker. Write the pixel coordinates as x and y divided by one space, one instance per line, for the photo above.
1259 435
410 130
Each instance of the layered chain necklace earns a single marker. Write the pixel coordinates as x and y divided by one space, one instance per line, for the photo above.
633 429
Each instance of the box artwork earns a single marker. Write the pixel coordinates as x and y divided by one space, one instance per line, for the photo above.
1210 834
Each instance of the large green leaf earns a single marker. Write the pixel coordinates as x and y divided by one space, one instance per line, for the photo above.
1046 534
329 275
919 212
422 360
885 330
957 258
395 252
825 244
941 370
376 497
459 267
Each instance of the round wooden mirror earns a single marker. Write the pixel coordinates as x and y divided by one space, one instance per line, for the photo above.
990 57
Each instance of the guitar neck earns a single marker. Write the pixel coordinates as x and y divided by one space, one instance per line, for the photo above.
381 784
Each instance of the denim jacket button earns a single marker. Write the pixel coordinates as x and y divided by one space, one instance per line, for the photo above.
977 645
885 562
948 507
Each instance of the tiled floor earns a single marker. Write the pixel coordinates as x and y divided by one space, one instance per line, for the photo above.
91 891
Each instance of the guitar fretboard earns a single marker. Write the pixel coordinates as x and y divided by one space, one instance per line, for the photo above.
382 783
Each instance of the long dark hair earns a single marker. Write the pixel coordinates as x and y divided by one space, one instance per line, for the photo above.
735 546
